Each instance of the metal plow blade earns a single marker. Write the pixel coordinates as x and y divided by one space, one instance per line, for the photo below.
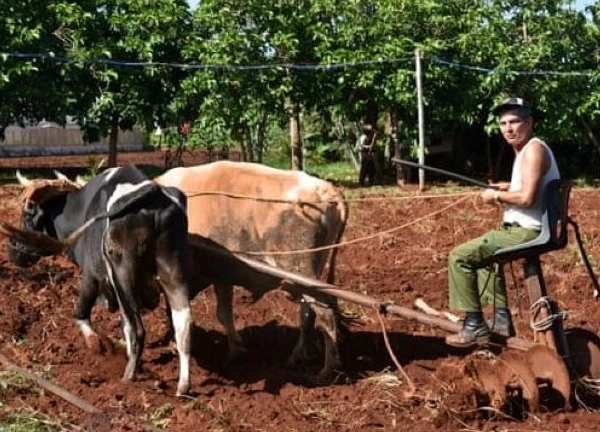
552 377
584 347
508 382
516 382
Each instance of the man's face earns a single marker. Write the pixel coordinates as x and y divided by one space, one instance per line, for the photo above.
515 130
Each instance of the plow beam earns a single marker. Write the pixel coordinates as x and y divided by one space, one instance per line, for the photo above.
308 285
522 372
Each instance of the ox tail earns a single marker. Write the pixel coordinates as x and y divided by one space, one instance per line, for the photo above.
342 208
343 322
43 243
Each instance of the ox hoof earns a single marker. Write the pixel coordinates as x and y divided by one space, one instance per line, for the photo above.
128 377
324 377
328 374
183 389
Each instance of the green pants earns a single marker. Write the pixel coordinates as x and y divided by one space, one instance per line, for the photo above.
470 285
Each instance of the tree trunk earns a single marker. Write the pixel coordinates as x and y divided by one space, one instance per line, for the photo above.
394 134
260 137
249 150
242 138
113 140
590 134
295 138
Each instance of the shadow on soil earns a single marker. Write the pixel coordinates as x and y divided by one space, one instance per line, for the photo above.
362 353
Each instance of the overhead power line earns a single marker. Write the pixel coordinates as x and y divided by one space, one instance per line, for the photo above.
508 71
290 66
293 66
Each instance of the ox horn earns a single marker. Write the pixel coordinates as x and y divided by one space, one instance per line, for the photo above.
80 181
23 181
61 176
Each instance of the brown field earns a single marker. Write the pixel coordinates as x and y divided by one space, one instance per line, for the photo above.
38 332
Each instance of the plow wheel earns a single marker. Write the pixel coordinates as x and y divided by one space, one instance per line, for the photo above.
584 347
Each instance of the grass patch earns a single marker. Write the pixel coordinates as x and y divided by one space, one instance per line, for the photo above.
336 172
10 380
385 379
161 416
28 421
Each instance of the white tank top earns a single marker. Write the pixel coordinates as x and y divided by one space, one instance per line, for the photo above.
530 217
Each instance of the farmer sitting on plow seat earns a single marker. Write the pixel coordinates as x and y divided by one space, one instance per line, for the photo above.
470 285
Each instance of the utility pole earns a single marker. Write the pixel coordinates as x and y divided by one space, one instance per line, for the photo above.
418 74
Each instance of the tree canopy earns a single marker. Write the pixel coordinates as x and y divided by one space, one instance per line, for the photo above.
233 68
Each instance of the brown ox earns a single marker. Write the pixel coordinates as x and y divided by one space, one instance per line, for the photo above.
250 207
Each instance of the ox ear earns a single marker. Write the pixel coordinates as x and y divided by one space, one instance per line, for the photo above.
23 181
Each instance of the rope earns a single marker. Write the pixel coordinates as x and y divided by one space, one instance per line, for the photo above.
357 240
546 322
289 201
393 356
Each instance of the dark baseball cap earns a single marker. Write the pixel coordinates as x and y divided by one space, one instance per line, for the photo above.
511 103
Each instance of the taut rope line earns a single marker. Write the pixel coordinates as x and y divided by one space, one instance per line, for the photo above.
288 201
357 240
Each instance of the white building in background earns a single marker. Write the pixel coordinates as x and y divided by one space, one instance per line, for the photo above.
51 138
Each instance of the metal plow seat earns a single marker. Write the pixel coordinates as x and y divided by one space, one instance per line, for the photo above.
553 233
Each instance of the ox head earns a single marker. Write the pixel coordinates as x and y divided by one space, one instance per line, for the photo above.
37 213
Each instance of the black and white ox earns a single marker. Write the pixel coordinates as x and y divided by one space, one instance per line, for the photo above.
273 213
124 232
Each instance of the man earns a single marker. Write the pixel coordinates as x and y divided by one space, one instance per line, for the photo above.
367 143
470 285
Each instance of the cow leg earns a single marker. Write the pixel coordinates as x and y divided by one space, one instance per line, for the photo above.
181 318
133 330
327 323
307 322
88 293
324 318
225 316
173 276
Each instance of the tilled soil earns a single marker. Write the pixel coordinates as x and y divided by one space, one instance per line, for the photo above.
260 393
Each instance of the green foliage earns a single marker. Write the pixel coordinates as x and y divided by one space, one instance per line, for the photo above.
251 108
93 166
341 172
210 135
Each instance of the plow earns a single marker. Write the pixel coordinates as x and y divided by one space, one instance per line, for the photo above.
527 370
